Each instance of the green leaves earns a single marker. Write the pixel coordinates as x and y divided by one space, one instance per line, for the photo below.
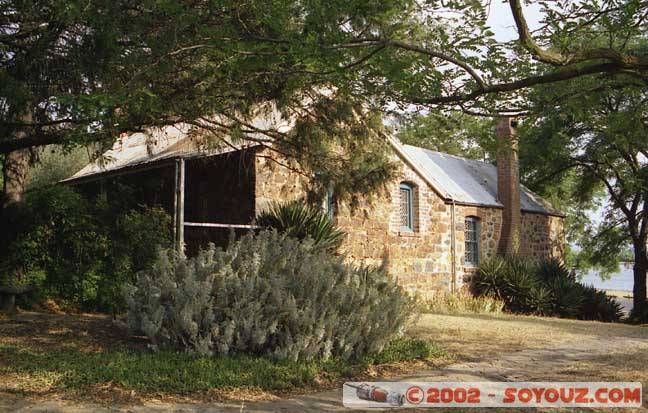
543 287
297 220
451 132
584 149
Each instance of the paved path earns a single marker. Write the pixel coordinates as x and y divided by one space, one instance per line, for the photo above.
522 365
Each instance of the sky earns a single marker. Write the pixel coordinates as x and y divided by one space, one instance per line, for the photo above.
502 23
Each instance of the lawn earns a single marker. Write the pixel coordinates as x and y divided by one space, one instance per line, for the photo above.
87 356
468 335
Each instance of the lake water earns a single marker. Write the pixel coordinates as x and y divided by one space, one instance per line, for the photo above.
621 281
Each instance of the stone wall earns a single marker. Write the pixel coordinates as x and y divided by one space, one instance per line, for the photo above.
542 235
421 260
490 222
276 182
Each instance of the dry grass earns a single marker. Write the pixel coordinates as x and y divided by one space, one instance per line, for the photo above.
628 366
463 302
495 334
618 352
81 332
616 366
469 337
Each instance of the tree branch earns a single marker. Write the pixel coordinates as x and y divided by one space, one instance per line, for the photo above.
31 140
553 77
559 59
433 53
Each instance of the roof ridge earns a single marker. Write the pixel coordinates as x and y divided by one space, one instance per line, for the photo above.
463 158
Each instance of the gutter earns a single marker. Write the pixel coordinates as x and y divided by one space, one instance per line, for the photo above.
453 246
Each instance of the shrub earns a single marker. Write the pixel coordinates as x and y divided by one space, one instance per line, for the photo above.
61 240
297 220
464 302
81 251
543 287
511 280
268 294
596 305
638 316
133 241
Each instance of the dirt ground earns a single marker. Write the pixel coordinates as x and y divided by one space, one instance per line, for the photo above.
483 347
83 332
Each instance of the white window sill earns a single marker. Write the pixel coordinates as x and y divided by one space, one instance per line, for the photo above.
411 234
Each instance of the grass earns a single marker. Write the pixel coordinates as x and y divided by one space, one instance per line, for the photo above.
463 302
619 351
46 358
469 335
83 357
184 373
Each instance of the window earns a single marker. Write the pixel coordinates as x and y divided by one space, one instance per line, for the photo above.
406 213
472 241
329 205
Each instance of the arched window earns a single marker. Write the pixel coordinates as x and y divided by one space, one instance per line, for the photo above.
471 235
406 213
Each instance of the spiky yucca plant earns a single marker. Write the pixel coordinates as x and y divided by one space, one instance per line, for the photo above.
597 305
542 287
566 292
297 220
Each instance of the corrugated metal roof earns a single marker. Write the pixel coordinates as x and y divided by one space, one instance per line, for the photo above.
175 141
464 180
141 148
469 181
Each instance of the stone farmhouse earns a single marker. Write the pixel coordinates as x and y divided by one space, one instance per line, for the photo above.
440 216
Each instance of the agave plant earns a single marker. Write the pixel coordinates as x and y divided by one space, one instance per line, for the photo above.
543 287
521 286
488 281
297 220
510 279
567 297
538 300
553 268
599 306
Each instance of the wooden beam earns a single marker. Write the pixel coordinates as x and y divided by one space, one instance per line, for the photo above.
179 206
215 225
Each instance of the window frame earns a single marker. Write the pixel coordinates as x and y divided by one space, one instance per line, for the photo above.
476 224
329 203
404 186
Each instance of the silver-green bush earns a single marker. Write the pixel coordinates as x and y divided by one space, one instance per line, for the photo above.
267 294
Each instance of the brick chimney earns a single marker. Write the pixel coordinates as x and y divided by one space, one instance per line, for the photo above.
508 185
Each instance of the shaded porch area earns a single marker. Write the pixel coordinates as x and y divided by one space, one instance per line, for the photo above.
208 197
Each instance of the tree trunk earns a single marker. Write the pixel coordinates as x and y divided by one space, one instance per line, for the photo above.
14 171
639 269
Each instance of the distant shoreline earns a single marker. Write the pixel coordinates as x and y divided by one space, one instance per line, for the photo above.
619 284
618 293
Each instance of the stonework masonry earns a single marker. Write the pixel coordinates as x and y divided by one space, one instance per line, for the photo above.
508 186
421 260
